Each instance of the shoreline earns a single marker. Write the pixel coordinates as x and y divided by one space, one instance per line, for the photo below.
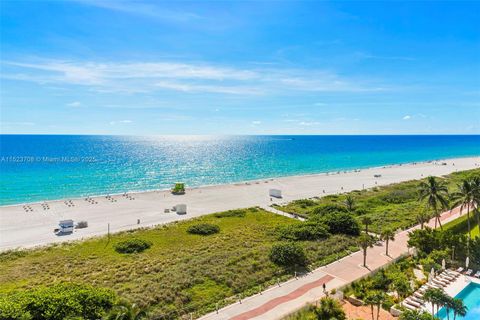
242 182
22 228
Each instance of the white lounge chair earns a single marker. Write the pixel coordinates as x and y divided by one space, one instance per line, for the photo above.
469 272
477 274
406 305
413 303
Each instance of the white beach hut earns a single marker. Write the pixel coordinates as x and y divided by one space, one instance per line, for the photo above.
277 193
181 208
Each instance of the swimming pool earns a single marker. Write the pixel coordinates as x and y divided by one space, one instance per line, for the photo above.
471 297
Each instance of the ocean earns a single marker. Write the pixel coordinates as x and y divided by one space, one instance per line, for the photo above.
47 167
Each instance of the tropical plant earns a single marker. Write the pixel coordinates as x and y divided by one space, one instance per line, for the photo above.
56 302
476 198
436 297
125 310
435 193
365 241
132 246
303 231
349 203
387 235
375 298
339 223
458 308
366 221
464 198
203 229
288 254
422 218
416 315
329 309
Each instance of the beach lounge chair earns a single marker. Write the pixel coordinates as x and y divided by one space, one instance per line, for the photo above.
469 272
446 280
460 270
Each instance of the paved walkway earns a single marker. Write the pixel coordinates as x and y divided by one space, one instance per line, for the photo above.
282 213
279 301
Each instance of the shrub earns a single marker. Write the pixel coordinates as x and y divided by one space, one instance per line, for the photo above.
305 231
288 254
230 213
132 246
341 223
304 203
56 302
203 229
328 208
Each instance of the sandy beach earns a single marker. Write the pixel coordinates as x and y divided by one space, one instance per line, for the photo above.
24 228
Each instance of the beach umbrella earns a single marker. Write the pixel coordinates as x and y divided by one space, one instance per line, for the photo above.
431 275
467 262
443 264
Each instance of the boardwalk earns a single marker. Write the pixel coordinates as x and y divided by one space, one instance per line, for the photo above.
279 301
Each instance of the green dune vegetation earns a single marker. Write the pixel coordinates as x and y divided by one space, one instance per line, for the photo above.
198 265
173 270
394 206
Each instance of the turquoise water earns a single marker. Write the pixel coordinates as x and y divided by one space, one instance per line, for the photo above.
45 167
471 298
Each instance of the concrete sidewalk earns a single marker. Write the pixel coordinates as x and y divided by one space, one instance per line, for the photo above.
279 301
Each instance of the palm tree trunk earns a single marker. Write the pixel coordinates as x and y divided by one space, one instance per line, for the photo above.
386 244
468 218
378 312
372 311
365 257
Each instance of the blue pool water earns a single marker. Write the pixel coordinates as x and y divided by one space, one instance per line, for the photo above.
471 298
43 167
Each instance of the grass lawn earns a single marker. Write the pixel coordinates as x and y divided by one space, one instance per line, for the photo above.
393 206
460 225
181 272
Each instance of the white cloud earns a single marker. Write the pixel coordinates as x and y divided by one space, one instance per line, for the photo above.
256 122
74 104
147 77
407 117
308 123
120 122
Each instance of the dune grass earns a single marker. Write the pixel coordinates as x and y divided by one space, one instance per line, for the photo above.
181 272
393 206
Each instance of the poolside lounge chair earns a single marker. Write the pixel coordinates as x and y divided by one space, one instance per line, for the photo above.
439 283
418 295
460 270
406 305
413 303
477 274
445 275
415 299
469 272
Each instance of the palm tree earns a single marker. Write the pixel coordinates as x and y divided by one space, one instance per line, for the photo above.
387 235
124 310
366 221
435 296
370 300
458 307
349 203
435 193
330 309
476 198
464 198
365 241
422 218
416 315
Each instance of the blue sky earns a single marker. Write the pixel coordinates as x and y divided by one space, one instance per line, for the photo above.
274 67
